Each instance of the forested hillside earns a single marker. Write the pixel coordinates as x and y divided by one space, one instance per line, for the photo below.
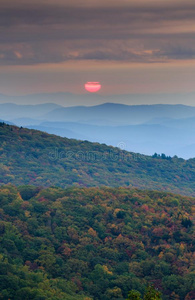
34 157
91 243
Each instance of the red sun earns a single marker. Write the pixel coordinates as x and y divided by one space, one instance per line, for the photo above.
92 87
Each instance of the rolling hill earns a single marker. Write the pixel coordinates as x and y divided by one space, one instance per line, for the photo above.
176 139
34 157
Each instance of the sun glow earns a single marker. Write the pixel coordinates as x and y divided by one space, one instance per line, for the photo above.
92 87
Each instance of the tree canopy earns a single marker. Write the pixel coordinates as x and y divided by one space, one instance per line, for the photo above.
95 243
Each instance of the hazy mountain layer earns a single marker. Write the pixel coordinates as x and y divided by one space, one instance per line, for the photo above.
70 99
146 129
105 114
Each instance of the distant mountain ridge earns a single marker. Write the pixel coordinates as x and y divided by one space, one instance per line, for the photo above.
90 99
118 114
11 111
146 129
34 157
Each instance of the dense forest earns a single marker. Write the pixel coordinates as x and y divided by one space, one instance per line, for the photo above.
35 157
93 243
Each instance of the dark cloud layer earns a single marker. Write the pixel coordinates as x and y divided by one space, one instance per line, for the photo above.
49 33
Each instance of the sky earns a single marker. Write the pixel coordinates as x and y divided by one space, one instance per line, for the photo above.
129 46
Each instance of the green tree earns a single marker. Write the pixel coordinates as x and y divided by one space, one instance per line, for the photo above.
134 295
152 293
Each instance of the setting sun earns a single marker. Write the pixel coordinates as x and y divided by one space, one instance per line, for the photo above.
92 87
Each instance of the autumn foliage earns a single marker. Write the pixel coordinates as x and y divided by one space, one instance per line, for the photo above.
94 243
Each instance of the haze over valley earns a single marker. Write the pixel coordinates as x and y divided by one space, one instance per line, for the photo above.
145 129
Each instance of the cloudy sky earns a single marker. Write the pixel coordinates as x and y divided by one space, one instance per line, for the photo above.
130 46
